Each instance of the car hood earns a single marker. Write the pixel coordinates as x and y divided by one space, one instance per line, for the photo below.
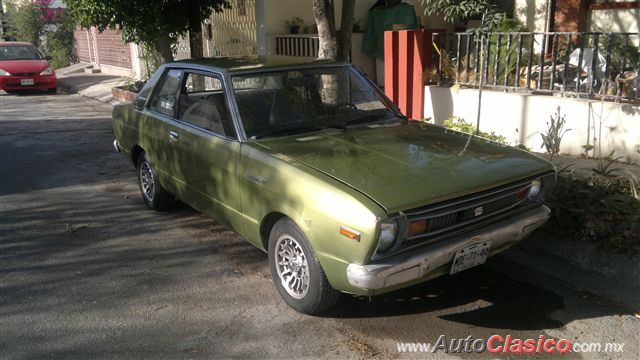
408 165
23 66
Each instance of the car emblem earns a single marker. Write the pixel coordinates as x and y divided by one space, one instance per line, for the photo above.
478 211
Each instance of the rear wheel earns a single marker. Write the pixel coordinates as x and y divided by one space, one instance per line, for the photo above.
296 272
153 195
52 90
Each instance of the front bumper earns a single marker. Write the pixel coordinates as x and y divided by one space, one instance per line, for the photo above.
40 82
435 259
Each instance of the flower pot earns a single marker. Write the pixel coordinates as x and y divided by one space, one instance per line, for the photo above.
122 95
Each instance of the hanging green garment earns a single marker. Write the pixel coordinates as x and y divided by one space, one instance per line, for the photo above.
382 19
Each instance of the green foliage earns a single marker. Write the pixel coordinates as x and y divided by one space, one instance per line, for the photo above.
59 43
552 138
144 21
605 169
506 67
149 60
296 22
459 124
585 150
599 208
455 10
24 23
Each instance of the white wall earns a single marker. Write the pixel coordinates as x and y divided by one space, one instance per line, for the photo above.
520 118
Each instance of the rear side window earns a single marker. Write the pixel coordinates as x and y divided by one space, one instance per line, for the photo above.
165 99
203 104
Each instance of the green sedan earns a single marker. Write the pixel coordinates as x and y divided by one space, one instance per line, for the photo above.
311 163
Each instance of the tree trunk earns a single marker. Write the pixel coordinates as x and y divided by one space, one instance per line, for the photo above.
163 49
346 29
325 20
195 29
195 44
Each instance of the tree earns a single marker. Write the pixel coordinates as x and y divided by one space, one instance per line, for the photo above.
24 23
454 10
333 44
154 23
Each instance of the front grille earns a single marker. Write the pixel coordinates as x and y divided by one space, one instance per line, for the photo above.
24 74
467 210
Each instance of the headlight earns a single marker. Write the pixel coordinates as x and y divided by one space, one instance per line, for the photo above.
534 192
47 71
4 73
388 232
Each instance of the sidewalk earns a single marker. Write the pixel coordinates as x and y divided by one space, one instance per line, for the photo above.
97 86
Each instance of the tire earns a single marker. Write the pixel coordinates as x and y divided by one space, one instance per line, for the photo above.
153 194
52 90
296 271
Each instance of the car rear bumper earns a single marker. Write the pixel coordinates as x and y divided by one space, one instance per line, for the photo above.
435 259
40 82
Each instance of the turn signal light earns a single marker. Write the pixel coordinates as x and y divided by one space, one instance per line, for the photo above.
417 227
351 234
522 194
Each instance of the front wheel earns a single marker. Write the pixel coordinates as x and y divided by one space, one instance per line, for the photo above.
296 271
153 194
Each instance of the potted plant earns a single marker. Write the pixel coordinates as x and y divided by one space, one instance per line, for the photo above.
293 25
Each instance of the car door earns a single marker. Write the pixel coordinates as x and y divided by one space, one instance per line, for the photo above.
206 149
154 126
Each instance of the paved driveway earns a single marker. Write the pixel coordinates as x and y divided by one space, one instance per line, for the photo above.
88 272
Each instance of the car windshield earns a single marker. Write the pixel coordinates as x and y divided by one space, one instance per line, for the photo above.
19 52
289 102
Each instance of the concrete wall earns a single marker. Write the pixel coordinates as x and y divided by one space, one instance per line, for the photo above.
520 118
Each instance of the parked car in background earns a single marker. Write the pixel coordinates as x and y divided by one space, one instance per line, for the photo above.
311 163
23 67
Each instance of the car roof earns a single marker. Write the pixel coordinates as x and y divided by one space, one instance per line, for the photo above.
15 43
237 65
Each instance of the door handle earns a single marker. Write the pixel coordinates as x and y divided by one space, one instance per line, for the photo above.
173 136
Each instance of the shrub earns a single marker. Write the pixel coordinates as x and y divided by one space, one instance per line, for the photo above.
59 46
552 138
459 124
604 209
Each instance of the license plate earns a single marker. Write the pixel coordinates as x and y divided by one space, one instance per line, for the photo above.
471 256
26 82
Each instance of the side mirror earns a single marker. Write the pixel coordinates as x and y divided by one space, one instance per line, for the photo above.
138 85
138 103
48 58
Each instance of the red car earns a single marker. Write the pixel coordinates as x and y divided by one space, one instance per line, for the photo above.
22 67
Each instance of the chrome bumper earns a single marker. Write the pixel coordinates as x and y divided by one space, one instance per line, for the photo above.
405 268
116 145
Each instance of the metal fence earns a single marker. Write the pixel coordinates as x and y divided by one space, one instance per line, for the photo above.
602 65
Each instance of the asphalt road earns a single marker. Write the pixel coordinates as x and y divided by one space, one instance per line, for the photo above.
88 272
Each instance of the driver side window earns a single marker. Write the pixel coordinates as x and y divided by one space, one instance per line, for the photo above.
165 99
